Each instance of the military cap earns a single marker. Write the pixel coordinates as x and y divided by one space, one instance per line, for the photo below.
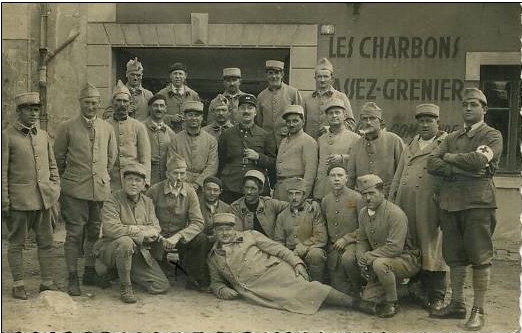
332 166
213 180
134 66
296 184
120 89
89 91
29 98
135 168
470 93
275 64
179 66
175 162
156 97
367 181
323 63
333 102
256 175
427 110
371 109
219 101
192 106
221 219
247 98
293 109
231 72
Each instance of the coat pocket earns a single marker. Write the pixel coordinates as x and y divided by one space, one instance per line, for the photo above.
71 174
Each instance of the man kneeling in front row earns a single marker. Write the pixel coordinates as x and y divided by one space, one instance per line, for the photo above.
130 228
249 264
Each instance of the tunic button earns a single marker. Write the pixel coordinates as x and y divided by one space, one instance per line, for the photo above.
337 212
336 200
295 236
336 223
403 183
38 180
121 133
94 173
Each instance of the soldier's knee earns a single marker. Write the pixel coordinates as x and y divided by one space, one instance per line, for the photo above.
380 266
125 246
315 256
159 287
348 259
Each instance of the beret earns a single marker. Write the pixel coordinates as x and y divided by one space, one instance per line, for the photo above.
213 180
155 98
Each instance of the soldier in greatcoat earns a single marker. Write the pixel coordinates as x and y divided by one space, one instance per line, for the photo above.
30 188
85 150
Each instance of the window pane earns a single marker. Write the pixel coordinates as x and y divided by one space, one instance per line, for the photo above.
498 93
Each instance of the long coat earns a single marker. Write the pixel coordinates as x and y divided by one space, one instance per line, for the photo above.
30 179
85 155
414 190
266 213
160 138
262 271
174 104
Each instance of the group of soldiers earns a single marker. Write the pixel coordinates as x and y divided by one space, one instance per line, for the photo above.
277 199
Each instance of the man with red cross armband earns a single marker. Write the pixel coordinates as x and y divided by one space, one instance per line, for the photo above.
467 160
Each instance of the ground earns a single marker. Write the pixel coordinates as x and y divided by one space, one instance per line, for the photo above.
187 310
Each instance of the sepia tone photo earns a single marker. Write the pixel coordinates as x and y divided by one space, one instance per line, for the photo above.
261 167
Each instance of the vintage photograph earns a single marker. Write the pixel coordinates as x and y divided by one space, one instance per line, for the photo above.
261 167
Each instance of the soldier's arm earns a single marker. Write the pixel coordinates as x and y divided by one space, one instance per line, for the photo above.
310 159
351 169
112 226
54 176
319 235
363 245
112 149
397 177
279 230
195 220
5 171
61 143
395 239
298 99
212 162
258 120
222 151
268 156
273 248
350 119
435 164
144 150
217 281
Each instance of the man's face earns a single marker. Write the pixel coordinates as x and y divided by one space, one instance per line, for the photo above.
373 197
473 111
158 109
323 79
193 119
178 78
89 106
335 116
370 123
248 112
133 184
134 78
338 178
274 77
225 234
121 104
294 123
177 176
428 126
222 113
231 84
251 191
297 197
211 191
28 114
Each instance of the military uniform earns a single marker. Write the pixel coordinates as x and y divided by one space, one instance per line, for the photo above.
233 99
160 137
139 102
265 215
175 100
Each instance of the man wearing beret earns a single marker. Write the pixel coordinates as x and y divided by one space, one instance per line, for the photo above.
254 211
177 208
85 149
340 209
250 265
130 228
220 109
301 228
414 189
335 145
273 100
139 95
384 249
30 188
467 160
197 147
377 152
314 117
244 147
232 83
160 137
177 93
297 154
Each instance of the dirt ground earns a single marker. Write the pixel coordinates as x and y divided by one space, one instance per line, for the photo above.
188 311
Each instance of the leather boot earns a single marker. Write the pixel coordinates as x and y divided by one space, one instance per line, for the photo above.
127 294
89 276
367 307
73 287
52 287
453 310
435 305
476 320
19 293
388 310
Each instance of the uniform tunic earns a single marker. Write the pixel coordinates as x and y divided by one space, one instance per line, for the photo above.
315 118
267 211
414 190
297 157
133 147
174 103
379 156
139 102
200 153
332 143
216 130
231 147
262 271
160 138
